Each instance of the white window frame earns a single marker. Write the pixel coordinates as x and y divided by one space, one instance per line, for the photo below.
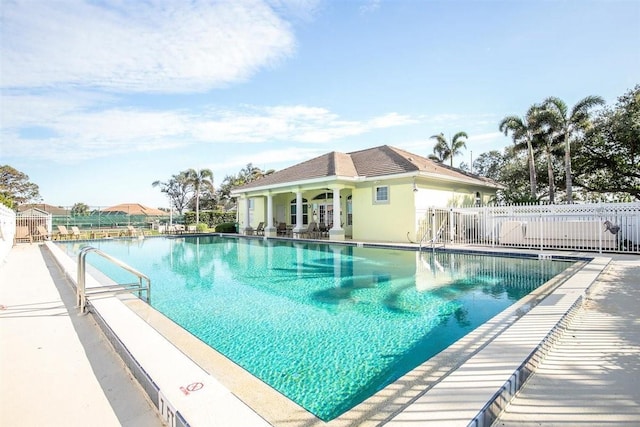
377 201
251 204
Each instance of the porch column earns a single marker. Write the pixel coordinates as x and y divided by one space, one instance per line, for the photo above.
246 226
270 229
336 232
299 226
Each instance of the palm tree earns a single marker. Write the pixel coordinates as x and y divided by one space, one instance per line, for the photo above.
567 125
549 142
523 132
440 152
443 150
200 180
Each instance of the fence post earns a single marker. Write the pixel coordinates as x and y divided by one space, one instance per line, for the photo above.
541 226
493 226
451 227
433 224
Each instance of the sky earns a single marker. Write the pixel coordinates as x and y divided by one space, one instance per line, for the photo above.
98 99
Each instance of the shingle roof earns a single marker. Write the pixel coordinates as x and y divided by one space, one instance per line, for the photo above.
378 161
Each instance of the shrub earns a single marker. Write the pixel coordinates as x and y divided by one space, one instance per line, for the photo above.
202 227
211 218
226 227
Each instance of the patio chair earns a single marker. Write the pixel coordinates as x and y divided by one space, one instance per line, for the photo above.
281 230
311 231
63 233
323 230
260 229
43 233
131 231
75 232
22 234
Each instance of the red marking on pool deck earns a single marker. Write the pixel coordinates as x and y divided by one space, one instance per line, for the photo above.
195 386
191 387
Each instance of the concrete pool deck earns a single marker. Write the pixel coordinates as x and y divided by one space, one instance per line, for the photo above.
554 394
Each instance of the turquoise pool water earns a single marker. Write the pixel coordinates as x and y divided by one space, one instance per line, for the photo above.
326 325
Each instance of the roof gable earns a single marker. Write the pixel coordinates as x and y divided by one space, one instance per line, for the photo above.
381 161
378 161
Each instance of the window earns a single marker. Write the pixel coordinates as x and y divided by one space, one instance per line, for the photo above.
381 194
251 204
478 199
305 210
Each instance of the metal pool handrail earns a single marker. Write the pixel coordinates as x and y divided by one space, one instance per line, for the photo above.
81 291
437 236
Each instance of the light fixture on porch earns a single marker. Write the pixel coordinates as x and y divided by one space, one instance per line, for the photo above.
415 187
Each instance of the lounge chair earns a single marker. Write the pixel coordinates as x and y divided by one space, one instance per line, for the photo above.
176 228
75 232
260 229
22 234
43 233
311 231
131 231
63 233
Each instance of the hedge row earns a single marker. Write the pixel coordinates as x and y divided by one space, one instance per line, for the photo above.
211 218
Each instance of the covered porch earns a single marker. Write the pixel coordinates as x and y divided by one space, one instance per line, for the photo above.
319 211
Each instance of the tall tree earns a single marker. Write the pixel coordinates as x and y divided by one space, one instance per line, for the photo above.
444 150
569 125
548 141
178 189
608 155
80 209
15 187
200 180
510 169
440 152
489 164
246 175
523 131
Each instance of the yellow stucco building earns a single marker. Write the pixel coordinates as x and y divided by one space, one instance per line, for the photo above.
378 194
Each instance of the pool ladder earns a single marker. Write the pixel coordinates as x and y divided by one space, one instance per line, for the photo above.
437 238
82 292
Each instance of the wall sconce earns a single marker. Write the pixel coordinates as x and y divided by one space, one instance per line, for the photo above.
415 187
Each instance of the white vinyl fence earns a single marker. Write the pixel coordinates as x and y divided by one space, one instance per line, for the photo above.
601 227
33 225
7 230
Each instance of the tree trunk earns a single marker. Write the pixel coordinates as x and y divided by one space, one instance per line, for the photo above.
567 167
552 187
532 172
197 209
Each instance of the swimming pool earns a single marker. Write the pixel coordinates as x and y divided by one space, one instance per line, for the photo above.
326 325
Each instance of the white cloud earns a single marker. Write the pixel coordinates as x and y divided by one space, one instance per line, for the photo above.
154 46
81 131
370 6
276 159
287 123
